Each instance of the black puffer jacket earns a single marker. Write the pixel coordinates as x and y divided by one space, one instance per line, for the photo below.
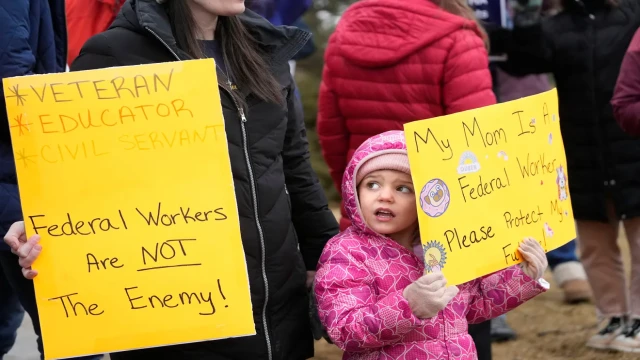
583 46
273 153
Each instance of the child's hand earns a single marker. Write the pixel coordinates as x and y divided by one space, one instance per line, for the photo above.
428 295
535 259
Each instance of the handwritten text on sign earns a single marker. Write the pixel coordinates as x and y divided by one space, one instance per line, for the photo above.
125 174
486 179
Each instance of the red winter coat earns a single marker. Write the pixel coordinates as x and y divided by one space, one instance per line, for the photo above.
626 98
390 62
86 18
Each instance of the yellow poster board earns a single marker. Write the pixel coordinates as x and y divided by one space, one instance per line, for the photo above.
486 179
125 174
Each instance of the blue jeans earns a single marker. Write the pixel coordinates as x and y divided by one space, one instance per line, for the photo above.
11 315
24 291
563 254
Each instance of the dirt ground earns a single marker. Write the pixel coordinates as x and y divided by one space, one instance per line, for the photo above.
547 330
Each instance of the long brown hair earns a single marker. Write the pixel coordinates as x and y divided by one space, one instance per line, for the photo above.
247 66
462 9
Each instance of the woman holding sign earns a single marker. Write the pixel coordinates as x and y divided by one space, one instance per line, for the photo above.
284 218
583 46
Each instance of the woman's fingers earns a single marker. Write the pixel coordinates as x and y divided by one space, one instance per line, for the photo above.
15 236
29 252
29 273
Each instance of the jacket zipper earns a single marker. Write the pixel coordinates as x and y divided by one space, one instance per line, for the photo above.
254 195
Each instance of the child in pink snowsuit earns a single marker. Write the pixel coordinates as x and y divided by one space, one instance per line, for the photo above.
373 296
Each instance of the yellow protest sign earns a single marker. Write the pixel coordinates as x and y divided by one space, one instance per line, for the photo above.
486 179
125 174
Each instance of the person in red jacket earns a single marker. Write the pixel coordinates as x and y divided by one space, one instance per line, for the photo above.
390 62
86 18
626 98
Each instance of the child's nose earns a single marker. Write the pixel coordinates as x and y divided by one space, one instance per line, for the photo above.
386 194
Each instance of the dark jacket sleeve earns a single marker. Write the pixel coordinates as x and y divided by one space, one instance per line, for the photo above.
16 59
528 49
626 98
315 224
95 54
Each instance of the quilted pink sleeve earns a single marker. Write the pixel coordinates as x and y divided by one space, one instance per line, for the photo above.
356 318
500 292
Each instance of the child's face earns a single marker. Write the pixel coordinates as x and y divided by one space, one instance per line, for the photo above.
388 204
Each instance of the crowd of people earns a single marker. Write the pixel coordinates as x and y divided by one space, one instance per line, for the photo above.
388 62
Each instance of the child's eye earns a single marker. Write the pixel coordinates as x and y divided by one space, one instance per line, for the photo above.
405 189
373 185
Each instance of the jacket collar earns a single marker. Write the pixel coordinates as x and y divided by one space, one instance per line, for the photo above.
279 44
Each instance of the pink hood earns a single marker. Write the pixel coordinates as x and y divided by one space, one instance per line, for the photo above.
388 142
362 275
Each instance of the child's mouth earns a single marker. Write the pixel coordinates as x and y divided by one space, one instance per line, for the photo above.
384 214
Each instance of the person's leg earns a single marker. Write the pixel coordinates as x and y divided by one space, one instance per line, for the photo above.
632 229
500 330
630 340
11 315
26 294
569 273
23 289
603 264
563 254
481 334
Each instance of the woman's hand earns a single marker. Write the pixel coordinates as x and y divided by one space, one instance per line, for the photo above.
27 250
535 259
428 295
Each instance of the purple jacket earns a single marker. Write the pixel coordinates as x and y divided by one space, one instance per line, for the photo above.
361 276
626 98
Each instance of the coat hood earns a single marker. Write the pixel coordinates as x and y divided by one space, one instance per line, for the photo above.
278 43
379 33
385 143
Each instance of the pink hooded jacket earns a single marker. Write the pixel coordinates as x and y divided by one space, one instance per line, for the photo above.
361 276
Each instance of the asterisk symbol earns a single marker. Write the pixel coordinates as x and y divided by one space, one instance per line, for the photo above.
22 156
21 125
15 93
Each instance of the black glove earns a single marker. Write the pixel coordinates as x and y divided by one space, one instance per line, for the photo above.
316 326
